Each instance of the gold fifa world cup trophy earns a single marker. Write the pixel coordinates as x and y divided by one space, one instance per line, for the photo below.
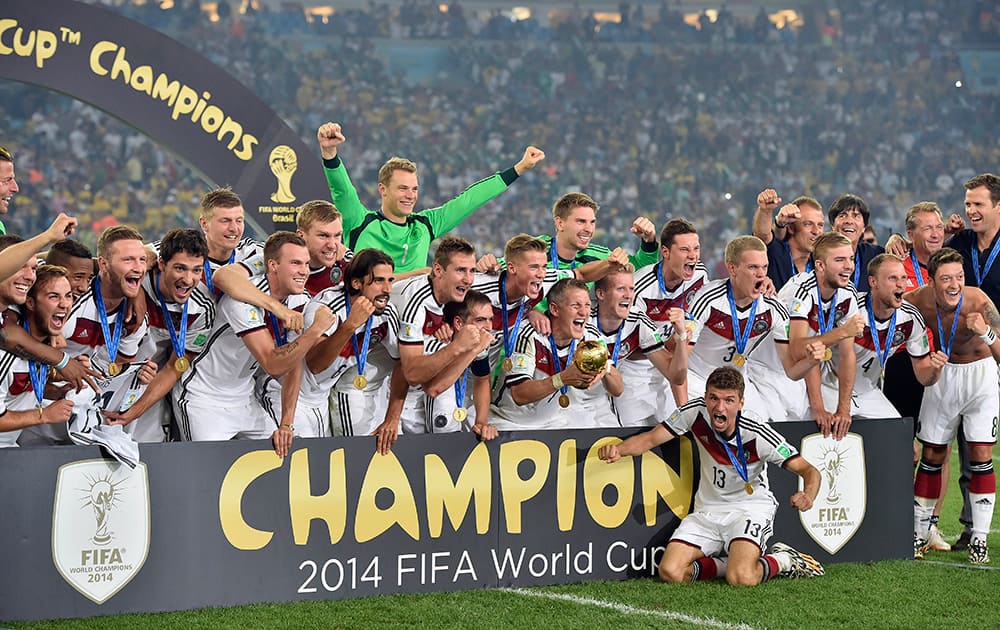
590 357
283 162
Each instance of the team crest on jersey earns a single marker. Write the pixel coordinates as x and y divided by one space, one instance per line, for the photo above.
253 315
100 526
759 326
625 349
897 337
839 314
839 508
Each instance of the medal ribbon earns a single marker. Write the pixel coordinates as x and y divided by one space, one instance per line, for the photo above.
739 462
809 261
825 325
555 256
555 358
176 339
280 334
883 353
916 268
982 273
954 326
208 271
857 267
110 340
460 386
740 337
509 337
361 356
618 340
37 372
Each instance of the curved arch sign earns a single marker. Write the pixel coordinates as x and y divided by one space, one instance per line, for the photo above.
169 92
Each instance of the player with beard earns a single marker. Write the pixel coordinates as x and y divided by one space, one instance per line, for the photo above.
823 305
734 508
22 382
180 320
667 284
966 393
448 394
545 389
420 301
849 215
635 343
890 324
215 399
78 262
789 235
736 324
356 354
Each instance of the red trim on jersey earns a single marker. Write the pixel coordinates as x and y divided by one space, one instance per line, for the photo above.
704 433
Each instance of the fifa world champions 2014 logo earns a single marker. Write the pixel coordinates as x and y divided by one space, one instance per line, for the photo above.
102 500
833 465
283 163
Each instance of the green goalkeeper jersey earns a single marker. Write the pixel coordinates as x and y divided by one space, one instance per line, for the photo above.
406 243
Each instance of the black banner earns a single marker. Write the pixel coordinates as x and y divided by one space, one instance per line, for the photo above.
216 524
169 92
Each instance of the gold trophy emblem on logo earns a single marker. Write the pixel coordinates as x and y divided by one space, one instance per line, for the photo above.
590 357
284 163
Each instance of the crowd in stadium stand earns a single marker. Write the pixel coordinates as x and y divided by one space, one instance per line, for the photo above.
833 105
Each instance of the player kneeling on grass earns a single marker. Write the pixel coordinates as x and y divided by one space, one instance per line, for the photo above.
733 508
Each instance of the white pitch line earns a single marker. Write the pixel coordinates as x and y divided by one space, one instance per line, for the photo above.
707 622
959 565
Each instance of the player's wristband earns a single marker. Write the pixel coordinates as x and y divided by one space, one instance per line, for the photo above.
290 427
557 381
777 225
65 361
989 337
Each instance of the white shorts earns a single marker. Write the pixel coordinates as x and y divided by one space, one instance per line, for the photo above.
966 393
712 532
787 398
353 412
209 421
870 404
440 411
310 420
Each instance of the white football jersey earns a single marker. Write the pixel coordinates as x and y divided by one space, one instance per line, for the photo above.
722 489
656 301
84 335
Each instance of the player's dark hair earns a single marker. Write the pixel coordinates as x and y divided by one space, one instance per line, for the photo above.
846 202
183 240
449 246
992 183
62 250
362 267
673 228
943 256
45 273
7 240
461 309
274 243
726 377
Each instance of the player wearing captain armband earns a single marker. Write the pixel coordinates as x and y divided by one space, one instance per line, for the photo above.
727 533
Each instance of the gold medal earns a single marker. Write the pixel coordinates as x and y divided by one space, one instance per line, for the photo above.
827 354
460 414
739 360
507 365
114 369
748 487
563 401
182 364
360 382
